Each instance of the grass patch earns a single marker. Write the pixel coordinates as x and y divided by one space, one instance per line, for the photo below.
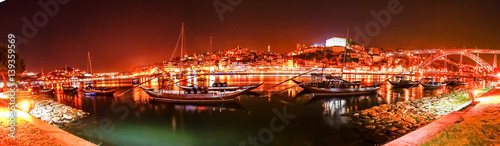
455 101
483 129
451 104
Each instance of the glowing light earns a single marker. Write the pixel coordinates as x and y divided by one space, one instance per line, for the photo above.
6 114
489 99
24 106
3 96
475 93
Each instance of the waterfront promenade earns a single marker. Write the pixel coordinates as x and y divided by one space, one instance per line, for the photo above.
488 103
31 131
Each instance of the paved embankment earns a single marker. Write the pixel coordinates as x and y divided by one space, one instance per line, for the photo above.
33 131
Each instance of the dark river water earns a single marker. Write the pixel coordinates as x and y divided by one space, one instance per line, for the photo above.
289 118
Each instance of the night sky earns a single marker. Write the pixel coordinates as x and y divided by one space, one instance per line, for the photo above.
122 34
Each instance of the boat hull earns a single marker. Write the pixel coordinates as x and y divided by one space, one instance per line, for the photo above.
456 83
228 88
101 92
432 86
70 89
339 91
47 91
192 98
403 85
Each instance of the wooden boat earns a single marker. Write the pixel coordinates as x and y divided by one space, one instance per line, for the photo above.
403 83
455 82
430 83
69 89
100 91
337 86
47 91
204 97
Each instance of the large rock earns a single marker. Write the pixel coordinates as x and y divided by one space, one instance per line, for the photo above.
67 116
56 113
395 117
392 128
370 121
370 127
409 119
45 118
385 116
374 114
56 119
401 132
383 108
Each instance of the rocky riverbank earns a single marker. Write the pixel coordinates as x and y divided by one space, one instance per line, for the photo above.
56 113
389 121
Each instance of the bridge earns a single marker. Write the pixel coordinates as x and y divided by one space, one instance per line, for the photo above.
441 54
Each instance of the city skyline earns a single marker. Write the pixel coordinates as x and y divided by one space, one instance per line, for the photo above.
123 35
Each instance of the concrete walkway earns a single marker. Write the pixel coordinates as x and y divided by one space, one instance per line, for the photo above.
419 136
61 137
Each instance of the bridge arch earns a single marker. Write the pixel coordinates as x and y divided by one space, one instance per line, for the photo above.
437 56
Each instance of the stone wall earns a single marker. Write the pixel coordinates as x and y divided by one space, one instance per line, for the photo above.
389 121
56 113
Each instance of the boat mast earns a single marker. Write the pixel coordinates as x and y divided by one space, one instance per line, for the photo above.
210 51
345 54
90 61
182 48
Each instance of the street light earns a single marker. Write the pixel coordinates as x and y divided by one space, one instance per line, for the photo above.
473 93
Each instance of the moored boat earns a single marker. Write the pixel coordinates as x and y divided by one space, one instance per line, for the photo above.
430 83
100 90
69 89
455 82
205 96
333 85
46 91
403 83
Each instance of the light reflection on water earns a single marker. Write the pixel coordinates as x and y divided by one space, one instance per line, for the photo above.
318 122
